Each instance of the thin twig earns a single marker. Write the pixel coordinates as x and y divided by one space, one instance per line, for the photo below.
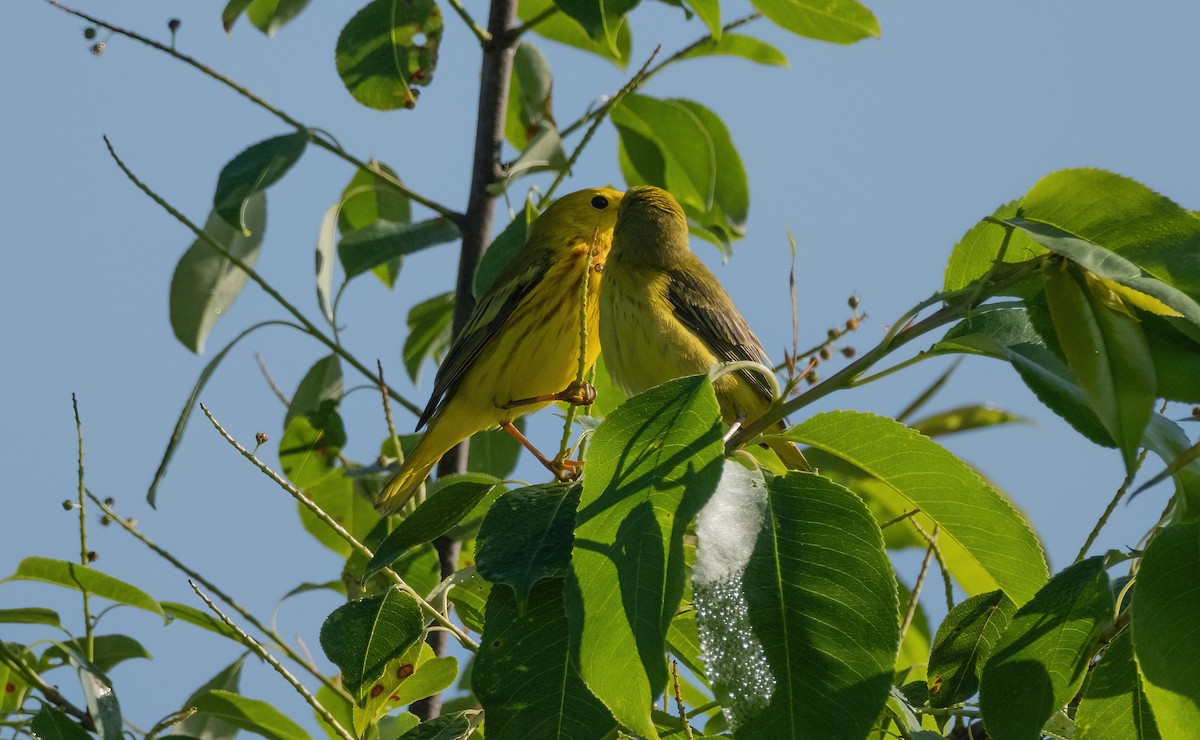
88 625
309 327
941 561
170 720
896 520
265 654
650 72
52 694
687 726
1112 505
340 531
327 144
195 575
262 368
599 115
914 596
518 31
480 34
582 368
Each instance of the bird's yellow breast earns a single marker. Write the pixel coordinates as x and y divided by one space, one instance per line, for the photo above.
537 351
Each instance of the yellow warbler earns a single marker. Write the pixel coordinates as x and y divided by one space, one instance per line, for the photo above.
664 315
520 348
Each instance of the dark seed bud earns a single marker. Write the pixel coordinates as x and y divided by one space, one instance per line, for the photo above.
852 324
92 556
89 33
833 333
105 520
849 352
174 24
261 437
68 504
826 353
108 501
1196 411
854 302
812 378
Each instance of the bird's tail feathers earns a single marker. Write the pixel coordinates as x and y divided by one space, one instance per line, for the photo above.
409 477
789 454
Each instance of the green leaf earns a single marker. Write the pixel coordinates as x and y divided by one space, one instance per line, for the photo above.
503 248
527 536
608 395
1114 701
192 615
323 382
978 528
429 324
368 200
683 640
30 615
51 723
975 254
1145 292
839 21
205 284
795 598
15 687
250 173
309 448
469 596
101 701
252 715
963 643
529 96
1164 627
1124 216
190 405
326 237
340 498
653 463
205 726
450 499
455 726
269 16
85 579
740 45
385 241
562 28
1167 439
524 676
1106 350
233 10
1041 660
1008 334
965 419
683 147
108 650
386 47
709 12
360 637
602 19
544 152
409 677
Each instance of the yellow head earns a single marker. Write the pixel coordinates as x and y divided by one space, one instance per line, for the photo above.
651 228
585 215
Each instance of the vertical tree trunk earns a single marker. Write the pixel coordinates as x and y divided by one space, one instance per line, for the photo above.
477 231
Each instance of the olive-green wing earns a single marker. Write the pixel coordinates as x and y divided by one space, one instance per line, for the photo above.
711 316
490 314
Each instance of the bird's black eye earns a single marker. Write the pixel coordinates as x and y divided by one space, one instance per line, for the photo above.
600 202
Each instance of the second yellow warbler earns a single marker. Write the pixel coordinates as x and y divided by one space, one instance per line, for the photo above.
664 315
521 345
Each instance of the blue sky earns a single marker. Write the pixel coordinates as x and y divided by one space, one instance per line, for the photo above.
877 156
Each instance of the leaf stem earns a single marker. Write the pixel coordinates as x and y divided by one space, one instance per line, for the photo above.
263 653
340 531
324 140
309 327
1112 505
478 31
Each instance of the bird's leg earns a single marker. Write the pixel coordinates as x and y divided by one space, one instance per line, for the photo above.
564 470
578 393
737 424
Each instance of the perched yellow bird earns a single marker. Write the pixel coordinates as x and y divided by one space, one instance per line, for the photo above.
664 315
520 348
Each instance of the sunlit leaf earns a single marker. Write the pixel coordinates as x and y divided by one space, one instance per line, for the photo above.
84 578
252 715
388 47
839 21
361 637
